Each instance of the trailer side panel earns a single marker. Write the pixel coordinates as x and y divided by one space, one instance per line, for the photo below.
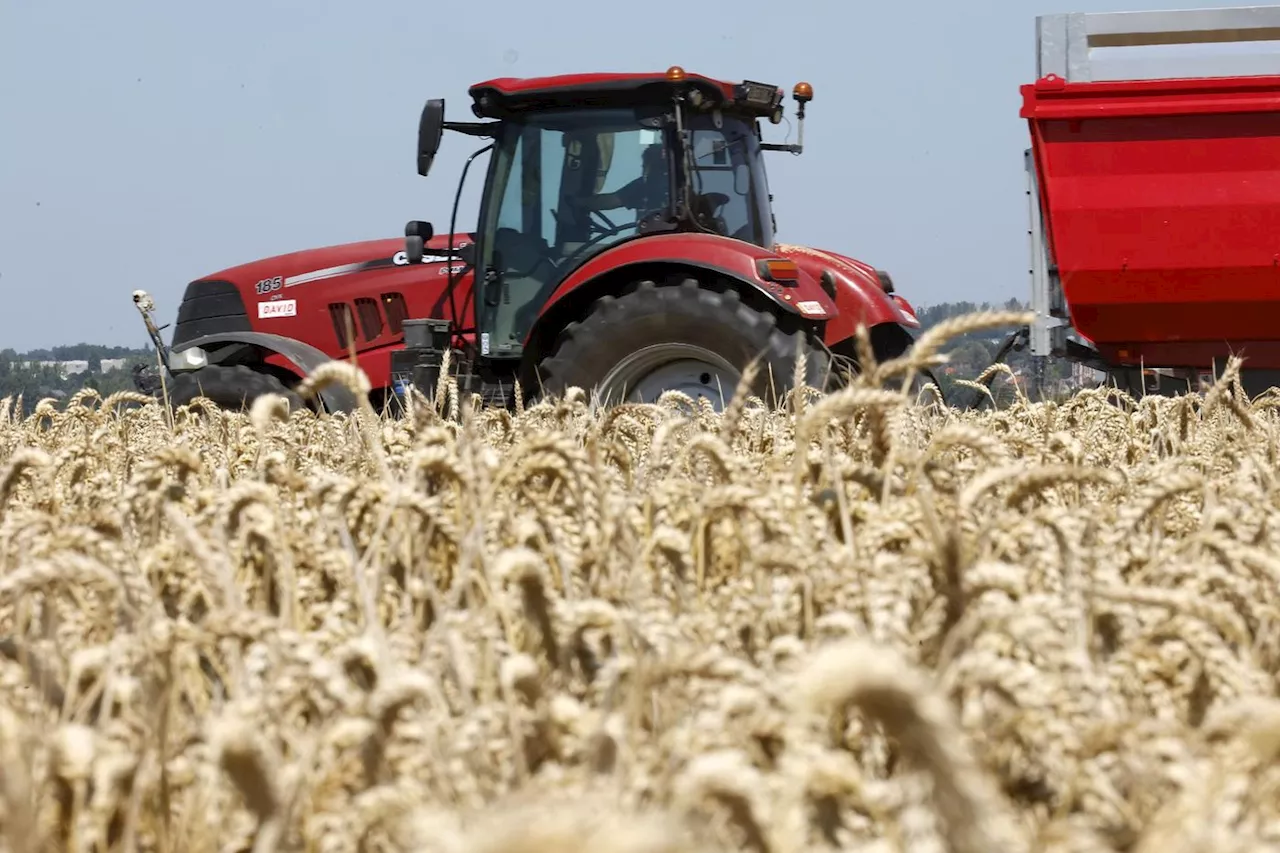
1161 209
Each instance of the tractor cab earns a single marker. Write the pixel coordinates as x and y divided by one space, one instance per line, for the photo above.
581 164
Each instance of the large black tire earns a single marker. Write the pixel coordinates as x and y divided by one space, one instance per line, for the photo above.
624 338
233 387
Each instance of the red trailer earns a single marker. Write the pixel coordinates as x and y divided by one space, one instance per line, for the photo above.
1154 189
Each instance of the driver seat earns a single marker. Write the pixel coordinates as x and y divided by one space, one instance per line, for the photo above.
705 207
527 268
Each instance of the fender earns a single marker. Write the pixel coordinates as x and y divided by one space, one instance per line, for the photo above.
860 298
300 357
646 256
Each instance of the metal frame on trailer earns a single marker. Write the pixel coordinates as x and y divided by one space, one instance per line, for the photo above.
1048 333
1070 45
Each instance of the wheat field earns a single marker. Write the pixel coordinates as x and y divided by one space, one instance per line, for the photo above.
853 622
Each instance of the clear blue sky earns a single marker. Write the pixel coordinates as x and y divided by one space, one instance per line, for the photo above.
143 144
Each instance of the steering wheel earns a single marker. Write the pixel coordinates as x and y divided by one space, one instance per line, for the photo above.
593 227
608 223
567 261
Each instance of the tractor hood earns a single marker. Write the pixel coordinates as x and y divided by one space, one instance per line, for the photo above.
303 267
281 294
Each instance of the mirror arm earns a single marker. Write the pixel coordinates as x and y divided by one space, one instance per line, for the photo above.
452 283
474 128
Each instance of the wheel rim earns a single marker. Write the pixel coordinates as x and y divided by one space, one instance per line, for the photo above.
645 374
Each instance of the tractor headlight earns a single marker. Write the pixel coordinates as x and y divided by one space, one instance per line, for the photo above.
191 358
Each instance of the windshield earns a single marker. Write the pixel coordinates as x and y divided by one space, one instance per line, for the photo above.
565 185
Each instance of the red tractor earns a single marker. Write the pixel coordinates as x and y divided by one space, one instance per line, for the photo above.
625 245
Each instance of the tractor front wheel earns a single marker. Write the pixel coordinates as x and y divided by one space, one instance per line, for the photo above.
233 387
686 336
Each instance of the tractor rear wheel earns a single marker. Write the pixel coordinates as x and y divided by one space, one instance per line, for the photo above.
231 386
684 335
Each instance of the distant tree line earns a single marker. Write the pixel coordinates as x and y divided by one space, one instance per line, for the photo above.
40 373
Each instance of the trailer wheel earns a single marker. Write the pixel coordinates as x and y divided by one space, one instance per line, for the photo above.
233 387
684 335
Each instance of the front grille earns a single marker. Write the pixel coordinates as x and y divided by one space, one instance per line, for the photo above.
397 312
209 308
370 317
344 324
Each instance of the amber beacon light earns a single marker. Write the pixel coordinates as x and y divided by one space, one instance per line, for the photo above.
675 74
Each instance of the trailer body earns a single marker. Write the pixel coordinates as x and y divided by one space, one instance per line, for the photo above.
1154 188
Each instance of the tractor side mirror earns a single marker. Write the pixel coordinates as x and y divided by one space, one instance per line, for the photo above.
430 129
416 235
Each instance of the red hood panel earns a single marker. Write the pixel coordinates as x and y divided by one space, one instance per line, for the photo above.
308 265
